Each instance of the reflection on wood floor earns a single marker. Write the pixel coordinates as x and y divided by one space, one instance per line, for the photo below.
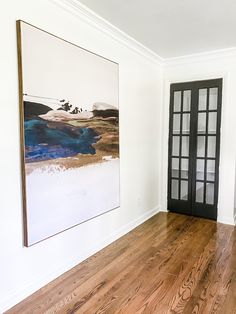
170 264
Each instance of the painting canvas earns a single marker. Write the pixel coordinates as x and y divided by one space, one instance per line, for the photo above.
69 133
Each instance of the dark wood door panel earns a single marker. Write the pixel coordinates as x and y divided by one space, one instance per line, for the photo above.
194 147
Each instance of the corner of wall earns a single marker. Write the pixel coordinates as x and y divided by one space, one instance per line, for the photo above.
90 17
227 220
200 57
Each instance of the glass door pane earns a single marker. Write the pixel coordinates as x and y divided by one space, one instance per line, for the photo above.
184 168
175 167
210 170
186 123
212 120
175 189
177 101
185 146
184 190
199 192
200 169
175 146
176 124
201 123
201 146
202 99
211 146
213 98
187 100
210 193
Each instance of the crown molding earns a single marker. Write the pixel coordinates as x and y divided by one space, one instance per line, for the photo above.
200 57
90 17
82 12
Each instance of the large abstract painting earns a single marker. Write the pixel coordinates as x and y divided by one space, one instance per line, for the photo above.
69 133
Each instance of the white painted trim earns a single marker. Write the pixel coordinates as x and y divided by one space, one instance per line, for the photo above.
226 220
164 143
18 295
93 19
200 57
90 17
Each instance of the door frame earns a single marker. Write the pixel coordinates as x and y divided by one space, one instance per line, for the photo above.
190 206
163 180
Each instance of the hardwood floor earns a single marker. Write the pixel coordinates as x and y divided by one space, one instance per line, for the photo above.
170 264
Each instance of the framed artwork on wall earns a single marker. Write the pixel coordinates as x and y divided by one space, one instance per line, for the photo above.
69 133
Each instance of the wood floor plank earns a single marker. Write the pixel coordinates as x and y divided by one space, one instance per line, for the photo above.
195 273
140 252
170 264
56 292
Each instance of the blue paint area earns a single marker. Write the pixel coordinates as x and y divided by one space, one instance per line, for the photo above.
49 140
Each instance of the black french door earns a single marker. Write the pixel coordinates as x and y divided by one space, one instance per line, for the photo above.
194 147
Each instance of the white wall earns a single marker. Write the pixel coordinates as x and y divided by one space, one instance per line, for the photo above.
143 139
24 270
235 194
215 65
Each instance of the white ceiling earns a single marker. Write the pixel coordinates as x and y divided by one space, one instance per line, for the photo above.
173 28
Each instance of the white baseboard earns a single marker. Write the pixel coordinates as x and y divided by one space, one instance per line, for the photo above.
18 295
227 220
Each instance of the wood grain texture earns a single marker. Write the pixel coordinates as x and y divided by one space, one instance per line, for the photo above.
170 264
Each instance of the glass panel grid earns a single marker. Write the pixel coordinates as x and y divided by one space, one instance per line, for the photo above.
206 147
206 141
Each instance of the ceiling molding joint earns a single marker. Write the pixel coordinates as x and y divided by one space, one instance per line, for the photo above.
90 17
